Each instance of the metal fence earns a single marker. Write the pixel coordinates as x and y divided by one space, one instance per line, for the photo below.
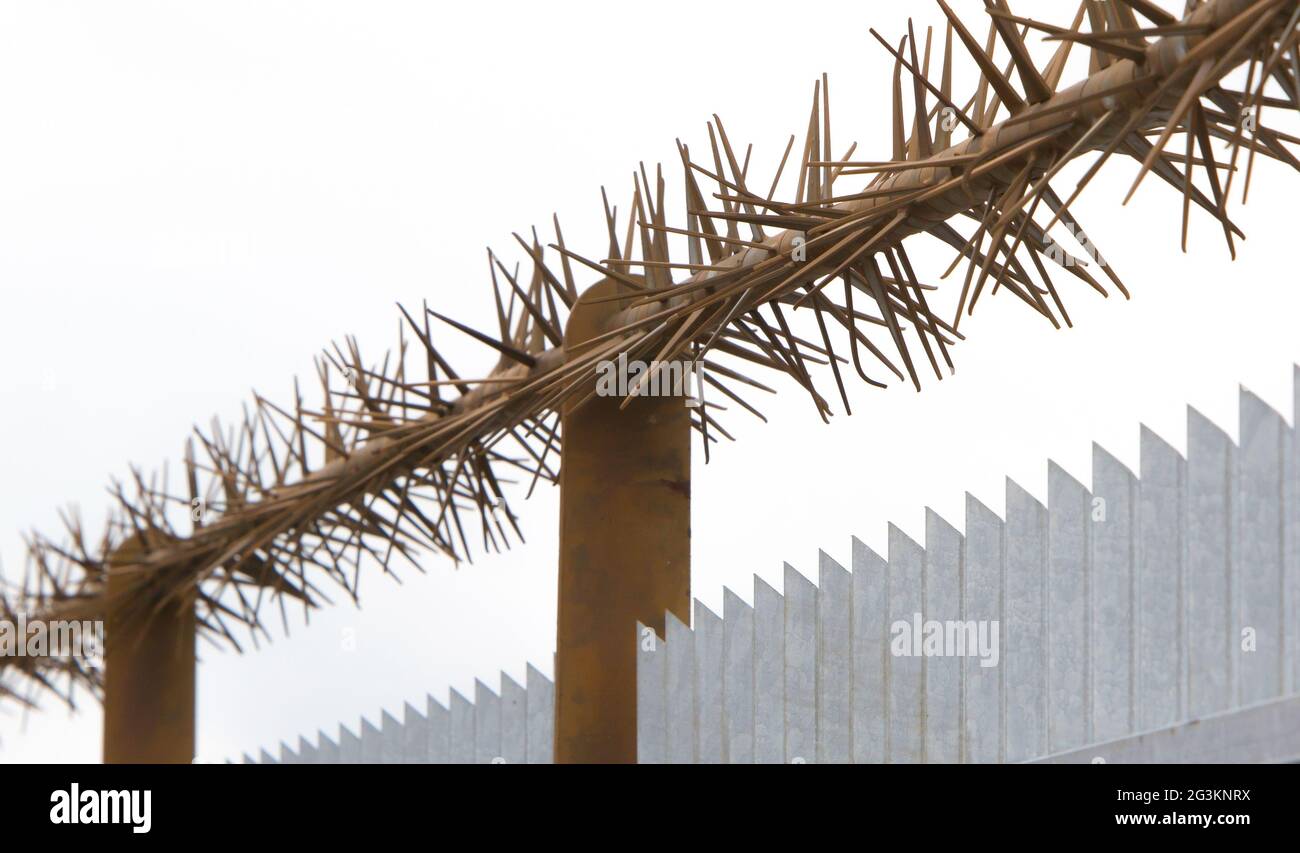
1153 600
515 725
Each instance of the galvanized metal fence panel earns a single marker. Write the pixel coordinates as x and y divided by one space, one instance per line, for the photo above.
1261 585
307 752
834 667
708 685
651 698
1160 606
1211 475
439 727
1265 733
391 747
983 555
1024 631
769 674
487 724
415 736
371 743
461 749
904 733
737 679
514 721
800 668
349 747
514 726
1121 610
1069 720
1113 533
327 751
870 651
679 681
942 586
541 717
1121 614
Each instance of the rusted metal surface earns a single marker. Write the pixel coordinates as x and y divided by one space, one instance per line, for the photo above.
625 502
149 679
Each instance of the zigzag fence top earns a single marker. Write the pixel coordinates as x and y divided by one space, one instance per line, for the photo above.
385 465
1140 606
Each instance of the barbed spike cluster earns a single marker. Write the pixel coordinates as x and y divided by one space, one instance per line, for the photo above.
294 499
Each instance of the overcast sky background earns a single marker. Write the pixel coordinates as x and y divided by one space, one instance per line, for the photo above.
195 198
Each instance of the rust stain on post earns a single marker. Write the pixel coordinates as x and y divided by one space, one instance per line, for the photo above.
625 551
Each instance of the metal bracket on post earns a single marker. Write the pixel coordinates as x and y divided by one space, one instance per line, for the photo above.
625 547
149 677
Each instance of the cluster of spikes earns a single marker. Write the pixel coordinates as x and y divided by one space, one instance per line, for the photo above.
405 454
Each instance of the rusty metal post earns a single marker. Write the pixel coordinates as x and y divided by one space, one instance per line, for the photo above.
625 548
149 678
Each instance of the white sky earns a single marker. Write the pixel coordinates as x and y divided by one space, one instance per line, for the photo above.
196 197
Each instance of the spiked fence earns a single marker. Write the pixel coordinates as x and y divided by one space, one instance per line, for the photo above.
299 495
513 725
1148 602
